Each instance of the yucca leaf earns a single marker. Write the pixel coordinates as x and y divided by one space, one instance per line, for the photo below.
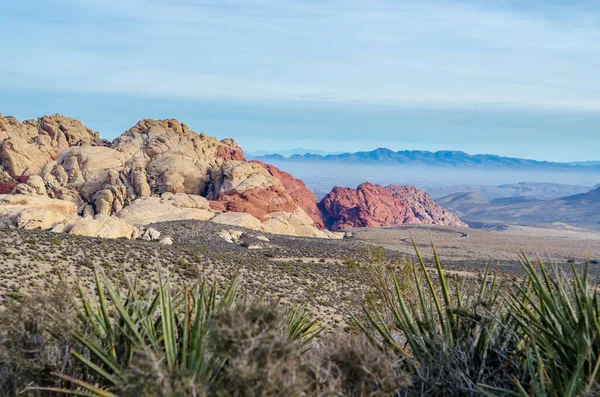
433 294
95 390
96 368
62 391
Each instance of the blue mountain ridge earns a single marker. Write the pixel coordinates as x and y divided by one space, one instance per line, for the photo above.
386 156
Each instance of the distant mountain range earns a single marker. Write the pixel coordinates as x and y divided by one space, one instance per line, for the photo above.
581 210
446 158
287 153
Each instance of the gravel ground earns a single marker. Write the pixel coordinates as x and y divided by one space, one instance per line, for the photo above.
329 276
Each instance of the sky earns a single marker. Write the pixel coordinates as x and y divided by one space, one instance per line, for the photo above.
515 78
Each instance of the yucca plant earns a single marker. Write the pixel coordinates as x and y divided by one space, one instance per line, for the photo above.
120 321
559 318
451 337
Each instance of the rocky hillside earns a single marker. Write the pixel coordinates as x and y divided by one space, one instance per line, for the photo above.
373 206
59 175
62 176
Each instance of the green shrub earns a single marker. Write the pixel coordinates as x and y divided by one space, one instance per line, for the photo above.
420 333
174 331
450 340
559 320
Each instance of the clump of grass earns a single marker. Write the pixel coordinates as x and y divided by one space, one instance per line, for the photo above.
559 320
450 339
538 336
181 332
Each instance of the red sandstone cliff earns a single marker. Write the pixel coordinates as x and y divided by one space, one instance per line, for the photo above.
374 206
302 196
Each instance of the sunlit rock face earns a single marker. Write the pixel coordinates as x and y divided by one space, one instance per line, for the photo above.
157 170
375 206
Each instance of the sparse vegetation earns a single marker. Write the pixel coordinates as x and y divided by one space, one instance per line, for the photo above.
540 337
422 330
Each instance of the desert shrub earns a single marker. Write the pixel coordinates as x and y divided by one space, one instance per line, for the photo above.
353 367
254 355
451 340
375 253
559 320
35 341
420 334
148 376
183 342
540 336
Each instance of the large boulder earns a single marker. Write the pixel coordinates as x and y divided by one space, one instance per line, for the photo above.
374 206
32 212
171 207
34 186
239 176
104 226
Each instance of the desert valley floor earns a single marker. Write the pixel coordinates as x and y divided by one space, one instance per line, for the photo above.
325 274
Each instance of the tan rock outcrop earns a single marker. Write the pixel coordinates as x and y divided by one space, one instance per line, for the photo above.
26 147
104 226
296 223
32 212
46 203
34 186
158 170
146 210
238 219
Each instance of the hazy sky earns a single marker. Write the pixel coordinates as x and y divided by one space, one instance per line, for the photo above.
516 78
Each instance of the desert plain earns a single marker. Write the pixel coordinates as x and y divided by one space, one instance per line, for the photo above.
327 275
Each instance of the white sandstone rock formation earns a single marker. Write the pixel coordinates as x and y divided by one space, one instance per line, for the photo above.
158 170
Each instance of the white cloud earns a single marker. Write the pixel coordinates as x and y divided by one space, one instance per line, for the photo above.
441 54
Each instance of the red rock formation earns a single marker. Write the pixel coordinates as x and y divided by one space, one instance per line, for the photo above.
230 153
302 196
259 202
7 186
375 206
217 205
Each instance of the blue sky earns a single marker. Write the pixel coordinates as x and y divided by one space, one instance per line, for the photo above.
515 78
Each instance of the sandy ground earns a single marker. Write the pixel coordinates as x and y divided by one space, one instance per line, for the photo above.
461 244
329 276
